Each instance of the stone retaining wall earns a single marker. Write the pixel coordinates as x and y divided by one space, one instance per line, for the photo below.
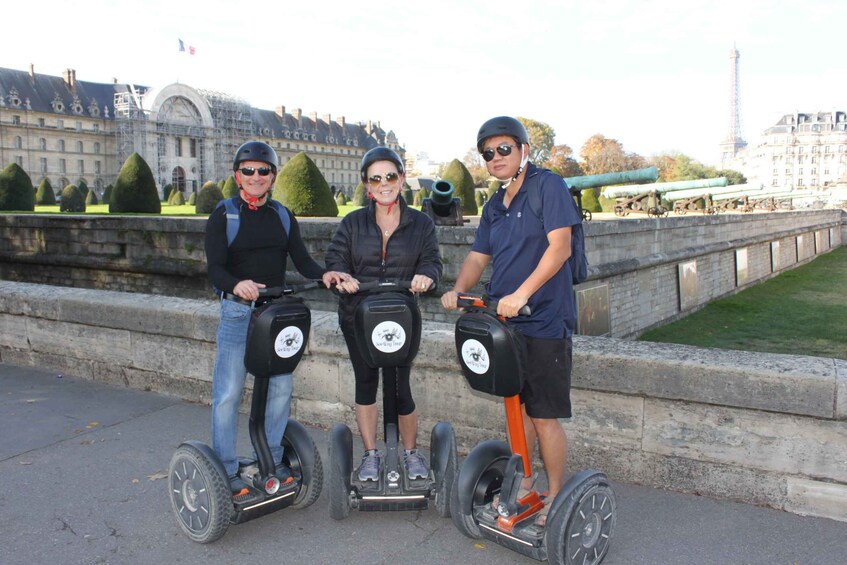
635 262
759 428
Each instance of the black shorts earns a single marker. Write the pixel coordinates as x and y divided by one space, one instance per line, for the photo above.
546 391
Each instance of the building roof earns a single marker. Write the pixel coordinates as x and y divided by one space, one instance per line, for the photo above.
815 121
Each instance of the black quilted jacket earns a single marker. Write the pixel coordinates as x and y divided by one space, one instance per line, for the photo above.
356 248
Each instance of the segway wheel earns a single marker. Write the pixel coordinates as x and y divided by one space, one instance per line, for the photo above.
340 468
444 461
200 497
481 476
302 457
580 528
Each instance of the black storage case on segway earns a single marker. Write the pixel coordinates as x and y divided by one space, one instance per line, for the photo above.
388 329
277 337
492 354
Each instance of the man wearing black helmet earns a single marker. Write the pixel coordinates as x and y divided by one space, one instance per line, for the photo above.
529 257
255 258
384 240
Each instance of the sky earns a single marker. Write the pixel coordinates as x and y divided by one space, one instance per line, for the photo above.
653 74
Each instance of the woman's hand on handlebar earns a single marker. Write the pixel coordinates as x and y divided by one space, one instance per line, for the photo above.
420 284
334 278
349 285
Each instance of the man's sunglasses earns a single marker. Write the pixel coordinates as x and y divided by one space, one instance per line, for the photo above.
248 171
390 178
504 150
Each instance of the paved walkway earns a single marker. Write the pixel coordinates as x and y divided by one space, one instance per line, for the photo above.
84 468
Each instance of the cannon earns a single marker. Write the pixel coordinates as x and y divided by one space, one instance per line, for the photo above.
686 200
577 184
647 197
444 208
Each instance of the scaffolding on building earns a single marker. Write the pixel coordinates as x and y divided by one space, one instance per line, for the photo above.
233 125
130 124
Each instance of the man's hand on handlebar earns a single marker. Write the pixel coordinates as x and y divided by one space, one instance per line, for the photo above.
450 299
508 306
247 289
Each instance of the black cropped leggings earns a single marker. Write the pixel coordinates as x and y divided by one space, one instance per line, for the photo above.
367 380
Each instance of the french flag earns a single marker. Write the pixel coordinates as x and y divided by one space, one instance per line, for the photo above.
182 47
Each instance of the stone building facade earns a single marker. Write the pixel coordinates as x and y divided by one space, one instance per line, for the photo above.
66 130
802 151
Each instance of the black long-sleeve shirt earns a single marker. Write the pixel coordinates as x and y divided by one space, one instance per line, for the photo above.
259 252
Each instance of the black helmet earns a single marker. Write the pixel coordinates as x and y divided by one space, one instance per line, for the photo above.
501 125
379 154
256 151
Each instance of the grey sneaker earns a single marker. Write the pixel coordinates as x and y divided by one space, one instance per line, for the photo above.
415 465
369 468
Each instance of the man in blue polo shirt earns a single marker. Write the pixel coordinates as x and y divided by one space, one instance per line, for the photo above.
529 257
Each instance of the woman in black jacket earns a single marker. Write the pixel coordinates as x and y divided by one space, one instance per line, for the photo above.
384 240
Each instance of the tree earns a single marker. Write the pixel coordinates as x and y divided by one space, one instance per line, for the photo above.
91 199
600 155
478 171
360 195
135 189
732 177
107 193
230 187
562 162
83 187
16 190
72 200
208 198
541 139
45 196
463 186
301 188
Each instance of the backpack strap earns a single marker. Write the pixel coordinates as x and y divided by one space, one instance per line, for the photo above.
233 217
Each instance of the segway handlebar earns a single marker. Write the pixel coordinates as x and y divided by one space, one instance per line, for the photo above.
467 300
277 291
386 286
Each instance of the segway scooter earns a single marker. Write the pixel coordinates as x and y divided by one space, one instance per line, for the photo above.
388 332
581 519
199 489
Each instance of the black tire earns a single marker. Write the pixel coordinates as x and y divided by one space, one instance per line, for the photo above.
443 460
302 457
482 475
200 497
582 522
586 215
340 465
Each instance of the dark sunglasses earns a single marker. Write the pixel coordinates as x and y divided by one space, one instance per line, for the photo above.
390 178
504 150
248 171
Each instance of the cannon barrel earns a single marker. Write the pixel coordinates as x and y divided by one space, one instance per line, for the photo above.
442 194
605 179
711 192
444 208
662 187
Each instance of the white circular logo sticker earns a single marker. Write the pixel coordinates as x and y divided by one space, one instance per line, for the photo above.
475 357
388 337
288 342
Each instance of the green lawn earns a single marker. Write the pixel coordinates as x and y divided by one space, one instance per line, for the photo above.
802 311
167 210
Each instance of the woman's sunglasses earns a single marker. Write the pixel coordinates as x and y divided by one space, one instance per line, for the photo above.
504 150
248 171
390 178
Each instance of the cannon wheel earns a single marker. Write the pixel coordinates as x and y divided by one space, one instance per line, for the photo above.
586 215
619 211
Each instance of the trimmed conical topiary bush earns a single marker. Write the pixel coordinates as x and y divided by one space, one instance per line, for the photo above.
493 187
360 195
208 198
135 189
340 199
16 190
590 201
107 193
72 200
177 199
230 187
83 187
45 195
91 199
192 200
301 188
463 188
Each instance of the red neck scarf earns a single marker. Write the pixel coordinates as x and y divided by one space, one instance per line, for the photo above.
252 200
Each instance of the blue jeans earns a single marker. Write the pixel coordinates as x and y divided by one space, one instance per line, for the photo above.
228 384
